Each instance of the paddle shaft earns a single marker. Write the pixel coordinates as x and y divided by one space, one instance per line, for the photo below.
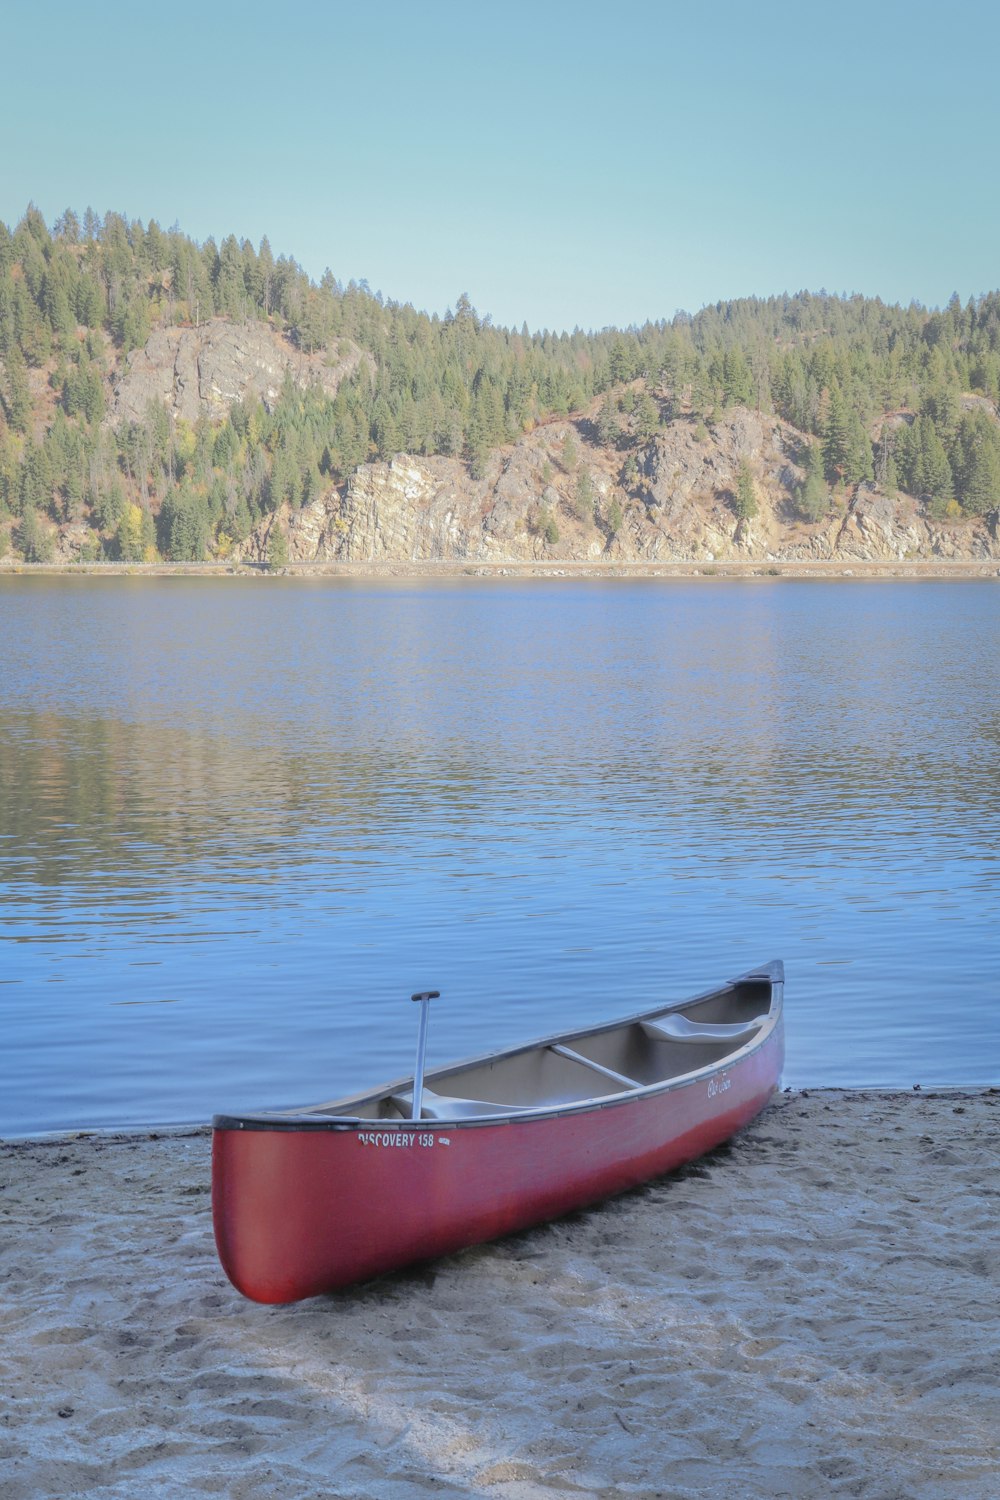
423 999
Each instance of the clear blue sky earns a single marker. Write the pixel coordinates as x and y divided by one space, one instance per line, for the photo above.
564 163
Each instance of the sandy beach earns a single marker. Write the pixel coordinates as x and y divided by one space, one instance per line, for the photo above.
810 1311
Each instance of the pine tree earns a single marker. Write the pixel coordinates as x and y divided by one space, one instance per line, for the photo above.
858 464
37 479
56 306
585 497
109 506
277 547
17 397
89 302
745 503
906 447
27 534
814 496
646 418
623 364
737 379
847 449
230 290
837 436
933 472
607 425
981 491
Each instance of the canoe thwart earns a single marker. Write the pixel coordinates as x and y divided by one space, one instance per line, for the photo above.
680 1029
596 1067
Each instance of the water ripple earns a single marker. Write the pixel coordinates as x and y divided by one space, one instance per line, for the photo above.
239 823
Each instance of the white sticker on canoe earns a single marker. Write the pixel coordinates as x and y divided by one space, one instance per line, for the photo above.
397 1138
718 1086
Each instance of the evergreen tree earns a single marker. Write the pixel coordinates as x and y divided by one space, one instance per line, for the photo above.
623 360
55 300
33 542
109 505
230 291
27 536
277 547
184 524
906 447
858 464
933 478
980 492
737 380
546 526
814 496
37 480
745 503
607 425
847 450
17 397
585 496
837 443
646 418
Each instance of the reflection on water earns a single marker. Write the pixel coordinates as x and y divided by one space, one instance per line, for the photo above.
241 820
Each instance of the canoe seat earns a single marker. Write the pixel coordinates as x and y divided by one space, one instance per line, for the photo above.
444 1107
680 1029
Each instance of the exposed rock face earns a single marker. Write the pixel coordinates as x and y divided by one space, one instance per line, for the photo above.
877 527
412 509
202 371
881 528
311 532
687 485
677 506
406 510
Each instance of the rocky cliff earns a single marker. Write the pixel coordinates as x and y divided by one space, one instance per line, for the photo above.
673 502
557 493
202 371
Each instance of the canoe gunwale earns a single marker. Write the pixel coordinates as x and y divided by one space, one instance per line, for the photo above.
313 1119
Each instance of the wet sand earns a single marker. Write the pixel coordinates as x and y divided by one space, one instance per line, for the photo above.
811 1311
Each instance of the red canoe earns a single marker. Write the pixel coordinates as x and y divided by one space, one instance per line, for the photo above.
313 1199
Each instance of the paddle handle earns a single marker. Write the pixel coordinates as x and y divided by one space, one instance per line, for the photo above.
423 998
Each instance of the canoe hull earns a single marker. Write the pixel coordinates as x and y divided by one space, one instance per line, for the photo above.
299 1212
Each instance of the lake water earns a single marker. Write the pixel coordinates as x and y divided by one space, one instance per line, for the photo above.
241 820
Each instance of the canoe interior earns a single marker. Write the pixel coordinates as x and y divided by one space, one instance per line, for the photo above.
613 1059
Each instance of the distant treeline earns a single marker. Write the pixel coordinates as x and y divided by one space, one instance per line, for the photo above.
76 299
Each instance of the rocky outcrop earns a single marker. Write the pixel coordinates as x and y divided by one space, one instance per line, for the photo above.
687 485
310 532
673 502
411 509
881 528
202 371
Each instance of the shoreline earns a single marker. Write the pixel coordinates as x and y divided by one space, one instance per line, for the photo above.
808 1311
914 570
189 1129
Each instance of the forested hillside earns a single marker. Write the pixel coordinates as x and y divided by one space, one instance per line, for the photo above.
879 393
